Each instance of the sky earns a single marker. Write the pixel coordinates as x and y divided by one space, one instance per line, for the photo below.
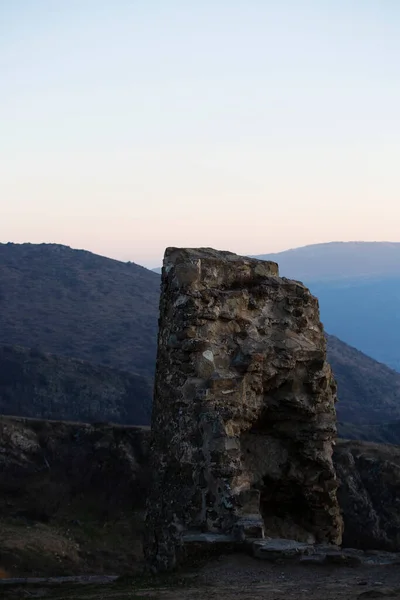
252 126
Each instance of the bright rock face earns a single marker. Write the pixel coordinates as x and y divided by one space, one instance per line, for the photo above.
243 418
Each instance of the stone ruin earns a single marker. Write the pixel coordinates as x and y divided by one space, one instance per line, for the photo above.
244 420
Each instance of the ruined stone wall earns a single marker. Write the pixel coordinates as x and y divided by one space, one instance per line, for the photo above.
243 417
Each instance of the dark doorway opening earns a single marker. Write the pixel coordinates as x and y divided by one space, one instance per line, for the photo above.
285 510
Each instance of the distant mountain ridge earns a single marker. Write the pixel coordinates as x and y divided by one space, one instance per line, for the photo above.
339 261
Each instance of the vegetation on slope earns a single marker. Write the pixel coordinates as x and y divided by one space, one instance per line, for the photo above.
368 390
71 497
75 303
39 385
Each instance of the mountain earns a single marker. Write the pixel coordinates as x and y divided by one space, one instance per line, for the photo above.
369 391
369 395
365 314
338 261
381 433
38 385
358 287
77 304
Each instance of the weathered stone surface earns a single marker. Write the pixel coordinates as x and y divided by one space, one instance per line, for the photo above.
320 554
369 494
243 416
273 549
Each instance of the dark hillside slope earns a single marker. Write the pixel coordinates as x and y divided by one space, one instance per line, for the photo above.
368 390
75 303
45 386
338 261
380 433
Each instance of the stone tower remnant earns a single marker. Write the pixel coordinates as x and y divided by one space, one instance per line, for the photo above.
243 420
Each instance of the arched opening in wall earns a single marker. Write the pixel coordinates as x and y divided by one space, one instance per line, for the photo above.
285 510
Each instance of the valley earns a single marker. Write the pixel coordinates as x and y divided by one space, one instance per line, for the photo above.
75 304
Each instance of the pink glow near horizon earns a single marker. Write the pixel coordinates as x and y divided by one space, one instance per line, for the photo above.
131 127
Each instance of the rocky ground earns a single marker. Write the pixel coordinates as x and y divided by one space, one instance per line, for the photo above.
232 577
72 500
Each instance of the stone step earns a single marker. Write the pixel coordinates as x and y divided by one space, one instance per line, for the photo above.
274 549
249 526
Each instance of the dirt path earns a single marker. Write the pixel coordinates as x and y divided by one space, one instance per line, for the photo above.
239 577
245 578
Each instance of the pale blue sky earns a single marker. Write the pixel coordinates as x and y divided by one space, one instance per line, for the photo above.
253 126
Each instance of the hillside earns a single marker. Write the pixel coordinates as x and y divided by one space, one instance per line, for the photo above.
380 433
45 386
75 303
368 391
358 287
71 497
